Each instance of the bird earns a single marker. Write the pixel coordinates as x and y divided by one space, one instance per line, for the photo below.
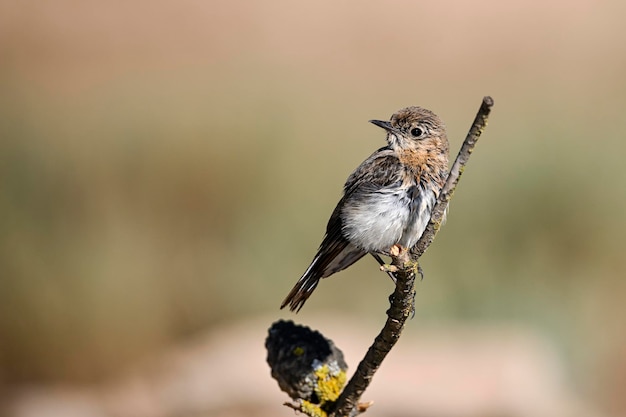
387 200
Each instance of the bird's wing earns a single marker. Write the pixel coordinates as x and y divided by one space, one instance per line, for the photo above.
381 169
336 252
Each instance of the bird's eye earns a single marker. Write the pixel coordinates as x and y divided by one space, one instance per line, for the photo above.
417 132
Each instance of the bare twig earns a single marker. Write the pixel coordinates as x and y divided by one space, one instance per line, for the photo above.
403 297
478 126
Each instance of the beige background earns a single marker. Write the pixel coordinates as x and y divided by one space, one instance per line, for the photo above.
168 169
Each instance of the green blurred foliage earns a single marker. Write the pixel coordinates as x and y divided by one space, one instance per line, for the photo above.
162 174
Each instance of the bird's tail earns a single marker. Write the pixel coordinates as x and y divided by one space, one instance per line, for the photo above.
302 290
332 257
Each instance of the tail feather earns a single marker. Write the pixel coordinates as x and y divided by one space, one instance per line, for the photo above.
302 290
327 261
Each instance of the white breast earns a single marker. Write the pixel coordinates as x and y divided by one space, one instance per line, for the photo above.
421 208
383 218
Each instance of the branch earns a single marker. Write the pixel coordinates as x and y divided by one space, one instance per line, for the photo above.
436 217
402 299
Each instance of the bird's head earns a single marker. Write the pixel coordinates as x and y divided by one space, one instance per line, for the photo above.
415 129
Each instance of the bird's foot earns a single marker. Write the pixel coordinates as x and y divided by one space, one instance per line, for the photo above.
389 268
395 250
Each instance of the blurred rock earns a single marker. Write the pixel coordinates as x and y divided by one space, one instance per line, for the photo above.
306 365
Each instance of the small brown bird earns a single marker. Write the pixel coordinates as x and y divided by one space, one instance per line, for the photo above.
386 201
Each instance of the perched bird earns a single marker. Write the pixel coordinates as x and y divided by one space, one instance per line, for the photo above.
386 201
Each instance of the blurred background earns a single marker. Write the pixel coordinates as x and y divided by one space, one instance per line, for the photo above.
168 169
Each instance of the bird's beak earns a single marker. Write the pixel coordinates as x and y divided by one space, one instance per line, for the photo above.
385 125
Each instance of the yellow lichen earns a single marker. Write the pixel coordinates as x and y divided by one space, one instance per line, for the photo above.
329 383
312 410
